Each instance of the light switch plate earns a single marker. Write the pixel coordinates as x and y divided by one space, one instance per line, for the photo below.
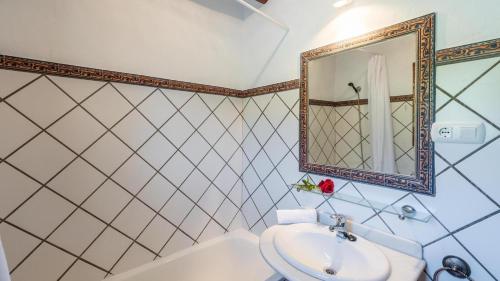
456 132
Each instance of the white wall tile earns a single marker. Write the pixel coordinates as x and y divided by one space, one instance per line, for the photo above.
135 256
211 231
482 169
107 105
157 192
108 153
134 218
18 127
13 80
134 130
82 271
454 77
226 146
226 179
42 213
195 148
77 129
195 185
212 101
157 108
177 208
47 263
107 201
195 222
134 174
211 165
226 213
486 250
134 93
212 129
179 241
42 157
77 181
157 150
177 169
195 111
455 194
41 101
77 232
178 98
226 112
107 249
17 244
15 188
177 129
156 234
78 89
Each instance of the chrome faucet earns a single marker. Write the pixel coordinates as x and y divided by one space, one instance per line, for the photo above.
339 226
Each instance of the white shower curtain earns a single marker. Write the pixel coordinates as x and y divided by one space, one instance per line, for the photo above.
380 111
4 270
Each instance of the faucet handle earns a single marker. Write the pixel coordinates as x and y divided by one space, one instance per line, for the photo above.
339 219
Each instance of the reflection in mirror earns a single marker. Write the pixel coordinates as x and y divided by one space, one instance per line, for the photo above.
361 107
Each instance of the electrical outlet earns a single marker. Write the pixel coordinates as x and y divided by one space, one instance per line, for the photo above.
446 132
458 132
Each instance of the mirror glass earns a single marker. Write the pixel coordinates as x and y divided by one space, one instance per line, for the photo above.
361 107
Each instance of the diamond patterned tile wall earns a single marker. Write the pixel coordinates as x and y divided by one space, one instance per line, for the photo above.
465 211
100 177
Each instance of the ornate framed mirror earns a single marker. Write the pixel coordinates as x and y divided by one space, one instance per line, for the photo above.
367 106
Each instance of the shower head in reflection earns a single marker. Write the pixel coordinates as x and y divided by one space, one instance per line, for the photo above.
356 89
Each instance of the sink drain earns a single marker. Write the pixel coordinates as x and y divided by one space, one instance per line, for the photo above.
330 271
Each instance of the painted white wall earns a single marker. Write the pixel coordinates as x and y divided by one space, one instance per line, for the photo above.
190 40
275 56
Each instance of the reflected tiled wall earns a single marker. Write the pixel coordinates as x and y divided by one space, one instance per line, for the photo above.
466 209
335 136
100 177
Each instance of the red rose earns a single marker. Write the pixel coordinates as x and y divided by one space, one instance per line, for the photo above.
326 186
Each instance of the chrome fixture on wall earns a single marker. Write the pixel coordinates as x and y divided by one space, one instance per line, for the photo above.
455 266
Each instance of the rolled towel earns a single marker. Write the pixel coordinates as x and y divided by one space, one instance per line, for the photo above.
4 270
297 216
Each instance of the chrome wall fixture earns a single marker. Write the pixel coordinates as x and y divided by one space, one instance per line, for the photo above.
455 266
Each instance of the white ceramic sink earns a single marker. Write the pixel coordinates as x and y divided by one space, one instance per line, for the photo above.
319 253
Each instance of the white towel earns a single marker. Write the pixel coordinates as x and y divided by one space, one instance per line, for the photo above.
297 216
4 270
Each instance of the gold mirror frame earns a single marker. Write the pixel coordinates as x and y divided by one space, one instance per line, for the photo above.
423 182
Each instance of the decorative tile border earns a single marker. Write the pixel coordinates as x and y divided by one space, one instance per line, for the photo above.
424 27
80 72
273 88
356 102
474 51
57 69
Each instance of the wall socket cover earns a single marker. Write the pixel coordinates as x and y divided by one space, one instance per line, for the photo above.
456 132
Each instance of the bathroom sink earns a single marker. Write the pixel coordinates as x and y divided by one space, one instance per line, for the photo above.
317 252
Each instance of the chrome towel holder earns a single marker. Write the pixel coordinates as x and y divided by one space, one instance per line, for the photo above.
455 266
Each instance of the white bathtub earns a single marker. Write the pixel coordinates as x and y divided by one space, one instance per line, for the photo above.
234 256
